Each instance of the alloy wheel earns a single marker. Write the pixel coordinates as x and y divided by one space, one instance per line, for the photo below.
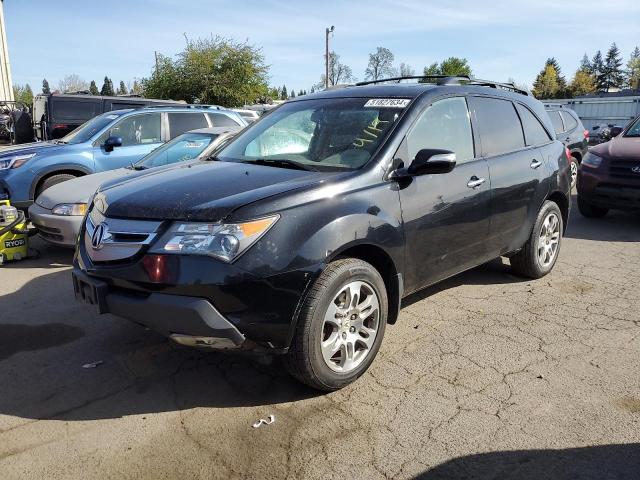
549 240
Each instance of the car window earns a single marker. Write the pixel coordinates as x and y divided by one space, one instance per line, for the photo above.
557 122
135 130
569 121
187 146
87 130
331 134
634 131
499 125
222 120
183 122
534 132
446 125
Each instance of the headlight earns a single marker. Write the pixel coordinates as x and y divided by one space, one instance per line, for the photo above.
69 209
223 241
591 160
15 161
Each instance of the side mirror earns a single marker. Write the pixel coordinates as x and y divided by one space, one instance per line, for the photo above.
615 131
430 161
111 143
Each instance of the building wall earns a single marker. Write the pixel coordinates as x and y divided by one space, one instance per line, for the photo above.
6 84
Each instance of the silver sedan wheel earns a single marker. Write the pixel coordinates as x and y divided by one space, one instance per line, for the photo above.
574 173
350 326
549 240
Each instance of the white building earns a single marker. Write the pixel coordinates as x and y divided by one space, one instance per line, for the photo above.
6 84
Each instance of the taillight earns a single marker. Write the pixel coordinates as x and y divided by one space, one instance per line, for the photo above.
60 125
586 134
160 268
567 152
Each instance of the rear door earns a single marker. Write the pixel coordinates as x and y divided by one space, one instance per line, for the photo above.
446 216
140 134
516 167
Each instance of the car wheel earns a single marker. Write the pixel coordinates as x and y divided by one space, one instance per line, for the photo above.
341 326
539 254
53 180
574 164
590 211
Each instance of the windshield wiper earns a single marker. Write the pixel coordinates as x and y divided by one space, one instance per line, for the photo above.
281 162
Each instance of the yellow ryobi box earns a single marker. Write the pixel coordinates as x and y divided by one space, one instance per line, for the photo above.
13 243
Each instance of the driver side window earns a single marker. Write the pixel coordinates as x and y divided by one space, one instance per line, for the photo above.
446 125
135 130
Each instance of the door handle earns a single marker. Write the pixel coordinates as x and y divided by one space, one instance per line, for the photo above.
535 163
475 182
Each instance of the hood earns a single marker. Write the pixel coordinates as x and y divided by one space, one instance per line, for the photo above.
203 191
27 148
619 147
80 189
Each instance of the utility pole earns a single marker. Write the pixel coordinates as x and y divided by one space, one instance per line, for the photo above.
326 56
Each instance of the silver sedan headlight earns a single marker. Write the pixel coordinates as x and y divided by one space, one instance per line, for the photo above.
224 241
70 209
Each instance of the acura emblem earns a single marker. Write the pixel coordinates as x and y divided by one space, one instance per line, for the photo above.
636 169
100 235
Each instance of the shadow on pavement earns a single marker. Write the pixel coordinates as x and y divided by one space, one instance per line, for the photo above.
616 226
600 462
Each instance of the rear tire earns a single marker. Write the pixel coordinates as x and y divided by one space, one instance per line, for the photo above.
53 180
338 333
538 256
590 211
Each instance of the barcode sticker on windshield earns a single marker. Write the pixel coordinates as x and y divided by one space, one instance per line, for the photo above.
387 102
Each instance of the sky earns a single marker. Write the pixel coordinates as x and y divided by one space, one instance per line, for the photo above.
501 39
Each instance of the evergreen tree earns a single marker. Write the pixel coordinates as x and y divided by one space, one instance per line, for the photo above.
107 87
613 74
633 70
45 87
583 83
292 94
562 82
123 89
597 69
283 93
300 93
313 89
547 85
585 64
93 88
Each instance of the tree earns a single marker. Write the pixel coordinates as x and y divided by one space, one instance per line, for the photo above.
633 69
583 83
107 87
518 85
45 87
292 94
23 94
301 93
613 76
313 89
546 84
72 83
562 82
214 70
597 69
380 64
93 88
406 70
283 93
338 72
136 89
122 90
452 66
585 64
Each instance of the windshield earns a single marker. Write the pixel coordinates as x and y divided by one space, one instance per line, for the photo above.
88 129
187 146
634 131
325 134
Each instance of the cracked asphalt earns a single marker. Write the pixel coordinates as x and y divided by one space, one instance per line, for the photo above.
486 375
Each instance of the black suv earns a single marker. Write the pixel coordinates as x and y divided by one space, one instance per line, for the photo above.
570 131
311 226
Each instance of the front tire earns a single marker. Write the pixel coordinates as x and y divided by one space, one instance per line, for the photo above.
53 180
341 326
538 256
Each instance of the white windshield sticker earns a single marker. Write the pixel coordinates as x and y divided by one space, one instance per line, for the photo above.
387 102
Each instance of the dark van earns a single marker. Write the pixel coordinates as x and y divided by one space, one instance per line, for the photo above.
55 115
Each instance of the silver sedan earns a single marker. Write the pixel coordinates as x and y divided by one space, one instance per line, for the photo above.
58 212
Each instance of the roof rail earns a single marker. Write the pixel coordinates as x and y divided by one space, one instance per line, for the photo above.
185 105
555 105
450 80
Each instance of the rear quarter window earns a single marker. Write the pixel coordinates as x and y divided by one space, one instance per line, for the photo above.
570 122
557 122
499 125
534 132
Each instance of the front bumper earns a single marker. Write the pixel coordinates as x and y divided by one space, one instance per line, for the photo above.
601 190
57 229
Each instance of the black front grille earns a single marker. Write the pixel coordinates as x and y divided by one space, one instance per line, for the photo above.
624 169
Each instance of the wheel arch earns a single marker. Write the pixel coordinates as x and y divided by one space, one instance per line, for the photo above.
76 171
562 201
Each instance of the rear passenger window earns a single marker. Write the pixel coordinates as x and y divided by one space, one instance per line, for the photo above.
569 121
183 122
534 132
222 120
557 122
446 125
499 125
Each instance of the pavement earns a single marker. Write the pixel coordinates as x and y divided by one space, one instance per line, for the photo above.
487 375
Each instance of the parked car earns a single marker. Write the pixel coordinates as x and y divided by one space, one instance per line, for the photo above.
55 115
570 131
58 212
609 177
108 141
316 221
603 131
248 115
